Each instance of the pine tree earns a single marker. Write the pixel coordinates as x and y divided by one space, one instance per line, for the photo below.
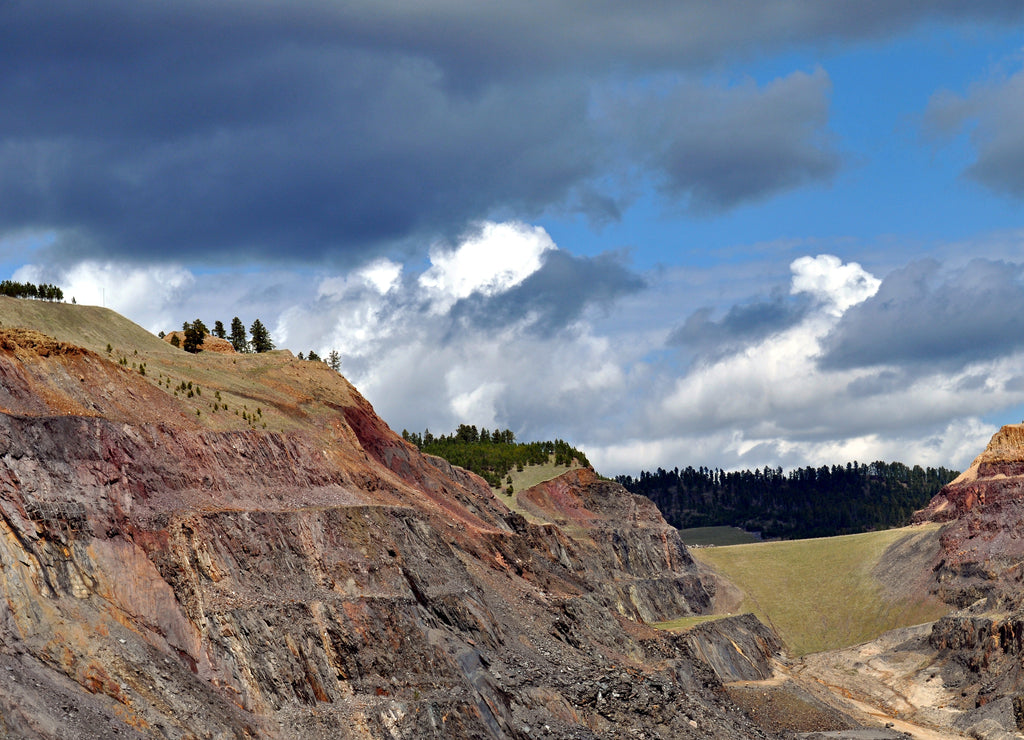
218 330
194 334
334 360
238 337
260 337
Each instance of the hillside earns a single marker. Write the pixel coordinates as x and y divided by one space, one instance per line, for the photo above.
834 592
959 676
495 456
237 546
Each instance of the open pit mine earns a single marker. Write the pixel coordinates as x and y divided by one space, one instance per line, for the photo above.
236 546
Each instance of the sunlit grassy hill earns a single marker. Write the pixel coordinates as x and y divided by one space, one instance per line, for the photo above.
833 592
272 391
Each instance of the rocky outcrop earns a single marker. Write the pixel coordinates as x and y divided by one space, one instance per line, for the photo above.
737 648
167 576
980 569
210 343
982 544
995 477
621 543
981 656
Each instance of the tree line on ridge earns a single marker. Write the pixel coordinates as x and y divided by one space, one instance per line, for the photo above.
44 291
256 341
806 502
493 454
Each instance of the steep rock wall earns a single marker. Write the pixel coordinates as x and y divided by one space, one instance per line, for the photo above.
979 569
162 579
982 544
737 648
639 561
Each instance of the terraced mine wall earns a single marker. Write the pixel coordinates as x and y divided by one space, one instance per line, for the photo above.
162 579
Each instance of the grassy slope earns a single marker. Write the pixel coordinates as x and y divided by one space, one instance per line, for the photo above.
530 476
91 327
275 383
822 594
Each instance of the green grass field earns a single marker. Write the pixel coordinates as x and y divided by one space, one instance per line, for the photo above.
822 594
526 478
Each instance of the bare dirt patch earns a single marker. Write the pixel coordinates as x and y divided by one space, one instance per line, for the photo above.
29 340
894 680
785 707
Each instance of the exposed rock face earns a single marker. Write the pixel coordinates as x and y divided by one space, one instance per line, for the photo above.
165 579
737 648
981 647
634 557
996 476
981 656
983 546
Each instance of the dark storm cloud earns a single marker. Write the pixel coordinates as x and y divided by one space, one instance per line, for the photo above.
717 148
742 325
994 114
921 317
373 155
296 130
555 295
474 43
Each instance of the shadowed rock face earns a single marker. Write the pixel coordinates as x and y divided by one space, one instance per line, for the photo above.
980 569
162 579
737 648
982 545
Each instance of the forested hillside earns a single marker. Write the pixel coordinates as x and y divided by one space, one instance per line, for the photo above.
492 454
806 502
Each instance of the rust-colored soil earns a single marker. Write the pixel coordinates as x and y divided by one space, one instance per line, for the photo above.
210 343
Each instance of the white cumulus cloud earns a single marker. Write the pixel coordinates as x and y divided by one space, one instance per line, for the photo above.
381 276
498 257
835 284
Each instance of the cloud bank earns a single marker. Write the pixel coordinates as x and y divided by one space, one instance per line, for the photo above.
280 132
834 365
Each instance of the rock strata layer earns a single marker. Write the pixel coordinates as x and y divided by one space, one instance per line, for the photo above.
980 569
165 578
982 544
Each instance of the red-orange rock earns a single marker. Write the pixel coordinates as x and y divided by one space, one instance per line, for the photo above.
167 565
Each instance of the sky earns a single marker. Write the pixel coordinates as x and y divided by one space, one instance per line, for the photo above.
728 234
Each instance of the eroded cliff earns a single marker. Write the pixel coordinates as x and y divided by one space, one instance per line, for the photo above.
980 648
285 566
982 544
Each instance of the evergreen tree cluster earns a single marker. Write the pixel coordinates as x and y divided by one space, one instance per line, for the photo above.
194 335
44 292
333 359
492 454
806 502
259 341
